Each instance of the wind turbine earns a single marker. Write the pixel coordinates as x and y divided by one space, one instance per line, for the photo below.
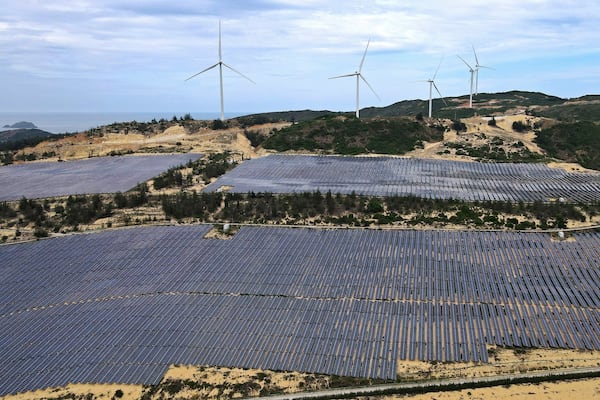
220 64
472 71
477 66
359 76
433 85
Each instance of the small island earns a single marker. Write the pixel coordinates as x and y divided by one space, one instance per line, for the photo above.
21 125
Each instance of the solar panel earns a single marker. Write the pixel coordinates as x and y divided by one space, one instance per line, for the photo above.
121 306
92 175
389 176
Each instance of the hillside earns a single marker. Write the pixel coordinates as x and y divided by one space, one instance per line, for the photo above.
348 135
573 142
535 103
22 135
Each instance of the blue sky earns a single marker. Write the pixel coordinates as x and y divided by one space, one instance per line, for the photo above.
112 55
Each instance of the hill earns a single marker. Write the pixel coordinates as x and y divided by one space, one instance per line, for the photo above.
23 134
291 116
349 135
573 142
536 103
21 125
455 133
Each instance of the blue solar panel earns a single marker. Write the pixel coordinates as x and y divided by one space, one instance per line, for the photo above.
92 175
121 306
388 176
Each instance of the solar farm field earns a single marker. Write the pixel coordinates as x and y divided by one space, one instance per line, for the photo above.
92 175
387 176
121 306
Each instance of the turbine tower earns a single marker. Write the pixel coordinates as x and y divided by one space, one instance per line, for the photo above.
221 64
359 76
472 71
433 85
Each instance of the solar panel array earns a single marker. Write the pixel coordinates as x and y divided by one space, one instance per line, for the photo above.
92 175
121 306
387 176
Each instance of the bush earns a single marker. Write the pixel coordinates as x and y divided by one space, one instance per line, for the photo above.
519 126
459 126
217 124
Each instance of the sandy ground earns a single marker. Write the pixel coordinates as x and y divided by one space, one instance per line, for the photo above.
476 126
100 392
502 361
580 389
171 140
219 383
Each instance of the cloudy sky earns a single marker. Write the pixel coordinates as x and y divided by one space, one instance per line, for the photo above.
134 55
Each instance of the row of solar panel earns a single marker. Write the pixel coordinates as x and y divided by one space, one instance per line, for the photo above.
405 265
384 176
346 302
346 337
93 175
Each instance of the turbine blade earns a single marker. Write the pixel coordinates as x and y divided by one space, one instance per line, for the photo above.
204 70
343 76
476 59
363 57
239 73
438 68
220 56
483 66
438 90
463 60
372 90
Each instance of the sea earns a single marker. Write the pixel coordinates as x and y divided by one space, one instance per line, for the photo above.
70 122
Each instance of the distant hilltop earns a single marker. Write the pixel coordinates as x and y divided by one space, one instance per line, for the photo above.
21 125
456 107
25 136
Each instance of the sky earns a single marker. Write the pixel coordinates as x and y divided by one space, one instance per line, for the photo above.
135 55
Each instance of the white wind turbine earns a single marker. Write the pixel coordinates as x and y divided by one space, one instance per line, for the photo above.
359 76
472 71
477 66
433 85
220 64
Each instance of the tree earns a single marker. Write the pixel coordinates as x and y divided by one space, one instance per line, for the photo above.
519 126
492 122
217 124
458 126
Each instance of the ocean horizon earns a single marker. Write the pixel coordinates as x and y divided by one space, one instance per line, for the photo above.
70 122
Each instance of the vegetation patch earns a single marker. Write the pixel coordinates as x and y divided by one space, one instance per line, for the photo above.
573 142
495 151
347 135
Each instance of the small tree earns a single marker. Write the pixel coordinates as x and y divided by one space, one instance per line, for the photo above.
492 122
458 126
217 124
519 126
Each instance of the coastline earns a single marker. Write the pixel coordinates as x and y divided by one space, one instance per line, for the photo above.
69 122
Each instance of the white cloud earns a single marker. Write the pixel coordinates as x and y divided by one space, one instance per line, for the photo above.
293 46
